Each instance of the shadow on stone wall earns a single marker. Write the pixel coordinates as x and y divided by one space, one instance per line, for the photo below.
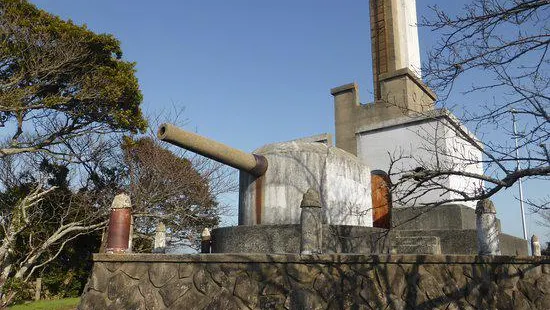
258 281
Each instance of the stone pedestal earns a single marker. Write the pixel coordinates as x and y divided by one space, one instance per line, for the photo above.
487 228
160 239
535 246
311 224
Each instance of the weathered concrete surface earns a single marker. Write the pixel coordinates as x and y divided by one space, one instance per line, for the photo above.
488 228
247 281
452 216
325 138
464 241
286 239
159 245
415 245
311 224
535 246
294 167
354 239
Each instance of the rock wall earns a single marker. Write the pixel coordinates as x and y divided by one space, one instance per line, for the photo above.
260 281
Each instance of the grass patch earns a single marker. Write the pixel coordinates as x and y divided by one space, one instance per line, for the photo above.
58 304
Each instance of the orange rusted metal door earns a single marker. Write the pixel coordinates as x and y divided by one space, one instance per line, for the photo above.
381 199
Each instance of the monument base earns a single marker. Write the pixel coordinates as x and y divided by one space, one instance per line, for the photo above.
337 281
286 239
357 239
445 217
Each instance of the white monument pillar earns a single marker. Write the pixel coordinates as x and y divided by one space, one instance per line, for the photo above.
396 56
395 36
407 35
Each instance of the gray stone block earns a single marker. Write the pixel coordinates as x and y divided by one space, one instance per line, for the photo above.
350 239
445 217
286 239
464 241
416 245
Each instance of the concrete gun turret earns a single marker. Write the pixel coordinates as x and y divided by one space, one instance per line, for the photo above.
253 164
272 195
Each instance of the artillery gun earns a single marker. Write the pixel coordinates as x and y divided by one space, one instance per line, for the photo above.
274 178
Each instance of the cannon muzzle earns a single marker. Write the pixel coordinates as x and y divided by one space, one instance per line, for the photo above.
251 163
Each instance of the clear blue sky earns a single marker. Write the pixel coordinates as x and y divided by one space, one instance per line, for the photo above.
253 72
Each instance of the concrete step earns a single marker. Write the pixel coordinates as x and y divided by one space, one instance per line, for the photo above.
416 245
408 240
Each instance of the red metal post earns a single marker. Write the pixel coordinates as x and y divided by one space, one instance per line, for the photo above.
119 230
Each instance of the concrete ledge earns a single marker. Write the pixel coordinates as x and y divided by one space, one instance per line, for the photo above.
445 217
286 239
320 259
340 89
325 138
464 241
406 120
408 73
453 224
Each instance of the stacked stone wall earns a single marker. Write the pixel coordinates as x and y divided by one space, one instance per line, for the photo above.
259 281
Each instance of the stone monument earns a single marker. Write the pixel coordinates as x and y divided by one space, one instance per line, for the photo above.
274 179
403 119
302 200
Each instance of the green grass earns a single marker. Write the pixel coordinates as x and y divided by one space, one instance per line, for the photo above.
59 304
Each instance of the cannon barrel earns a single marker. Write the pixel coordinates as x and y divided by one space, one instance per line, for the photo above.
251 163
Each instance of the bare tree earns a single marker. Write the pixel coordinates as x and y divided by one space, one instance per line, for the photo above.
173 190
39 215
501 46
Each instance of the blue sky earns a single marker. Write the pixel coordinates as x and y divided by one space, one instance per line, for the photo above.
254 72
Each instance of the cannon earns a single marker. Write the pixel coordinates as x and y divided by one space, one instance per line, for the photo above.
251 163
274 178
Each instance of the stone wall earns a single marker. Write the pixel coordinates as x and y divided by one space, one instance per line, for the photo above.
259 281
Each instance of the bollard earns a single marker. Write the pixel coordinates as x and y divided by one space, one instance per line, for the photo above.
535 246
160 239
205 241
118 236
311 223
487 228
38 288
131 234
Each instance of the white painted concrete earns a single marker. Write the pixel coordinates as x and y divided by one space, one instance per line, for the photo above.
406 33
341 180
428 143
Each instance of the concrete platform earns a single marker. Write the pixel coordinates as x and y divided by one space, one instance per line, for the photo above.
357 239
286 239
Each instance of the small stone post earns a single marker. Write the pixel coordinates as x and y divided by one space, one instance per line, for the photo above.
487 228
311 223
205 241
535 246
38 288
118 238
160 238
131 234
